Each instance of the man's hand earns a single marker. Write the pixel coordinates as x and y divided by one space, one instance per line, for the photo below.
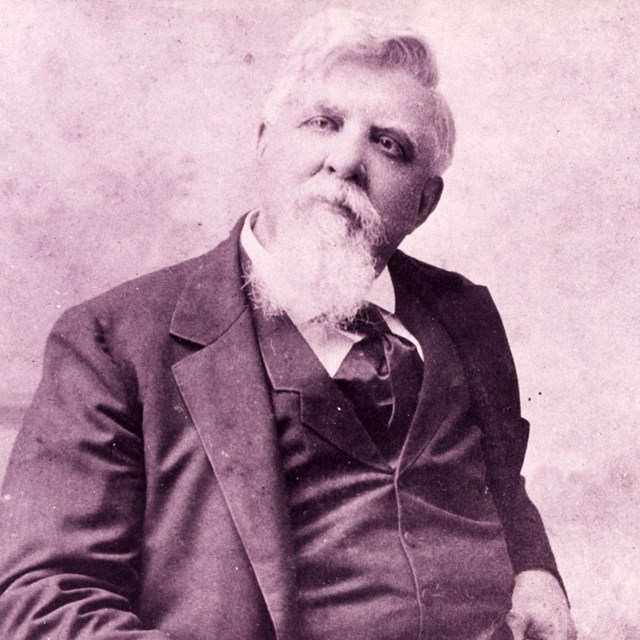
539 609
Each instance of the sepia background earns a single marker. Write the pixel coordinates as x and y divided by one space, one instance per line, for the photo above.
127 133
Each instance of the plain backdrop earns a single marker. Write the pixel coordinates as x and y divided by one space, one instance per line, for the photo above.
127 134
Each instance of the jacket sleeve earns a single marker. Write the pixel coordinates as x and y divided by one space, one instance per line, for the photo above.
495 399
72 508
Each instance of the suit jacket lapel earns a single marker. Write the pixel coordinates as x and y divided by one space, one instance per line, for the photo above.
418 308
432 403
225 390
468 315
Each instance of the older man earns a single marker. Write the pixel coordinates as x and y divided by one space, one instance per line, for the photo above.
303 434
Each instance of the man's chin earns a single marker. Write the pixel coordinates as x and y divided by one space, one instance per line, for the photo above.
328 293
322 265
344 205
342 212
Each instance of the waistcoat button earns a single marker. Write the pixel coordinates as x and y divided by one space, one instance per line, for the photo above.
426 596
410 539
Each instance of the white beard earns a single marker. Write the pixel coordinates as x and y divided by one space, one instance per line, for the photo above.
322 254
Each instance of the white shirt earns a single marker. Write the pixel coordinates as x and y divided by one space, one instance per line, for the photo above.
330 345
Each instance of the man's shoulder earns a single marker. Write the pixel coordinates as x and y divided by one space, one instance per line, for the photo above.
440 280
152 293
142 308
152 298
461 304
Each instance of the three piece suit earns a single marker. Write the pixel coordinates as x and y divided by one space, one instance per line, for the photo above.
182 450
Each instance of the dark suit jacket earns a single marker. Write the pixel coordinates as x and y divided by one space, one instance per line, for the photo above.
144 497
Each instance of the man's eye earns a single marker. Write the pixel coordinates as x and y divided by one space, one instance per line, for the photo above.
322 123
391 147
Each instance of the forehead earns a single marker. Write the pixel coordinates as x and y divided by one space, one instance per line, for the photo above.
385 96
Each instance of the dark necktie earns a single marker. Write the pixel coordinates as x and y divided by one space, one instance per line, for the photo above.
381 376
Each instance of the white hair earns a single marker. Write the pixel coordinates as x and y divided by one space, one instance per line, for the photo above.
343 35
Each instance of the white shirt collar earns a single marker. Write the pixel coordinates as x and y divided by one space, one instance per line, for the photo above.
380 294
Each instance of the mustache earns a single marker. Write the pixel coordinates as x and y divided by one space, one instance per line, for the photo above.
352 200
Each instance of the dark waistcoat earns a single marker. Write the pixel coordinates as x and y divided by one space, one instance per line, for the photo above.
405 549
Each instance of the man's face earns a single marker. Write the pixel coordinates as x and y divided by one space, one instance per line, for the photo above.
360 124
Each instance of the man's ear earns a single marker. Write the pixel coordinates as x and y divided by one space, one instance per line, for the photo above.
430 198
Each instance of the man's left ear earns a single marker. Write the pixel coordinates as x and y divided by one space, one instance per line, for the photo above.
430 198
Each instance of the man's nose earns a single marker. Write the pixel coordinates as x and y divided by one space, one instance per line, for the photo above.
346 159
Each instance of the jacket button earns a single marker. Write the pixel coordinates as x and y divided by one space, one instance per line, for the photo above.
410 539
